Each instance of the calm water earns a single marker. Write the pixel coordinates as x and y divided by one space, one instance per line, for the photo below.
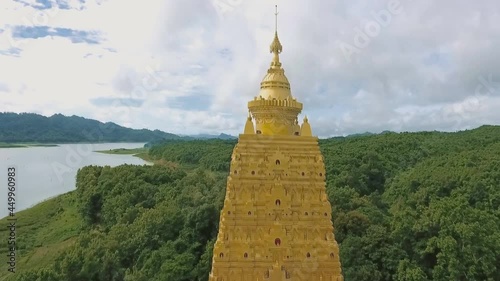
44 172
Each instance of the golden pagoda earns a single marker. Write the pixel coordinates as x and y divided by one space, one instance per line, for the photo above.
276 222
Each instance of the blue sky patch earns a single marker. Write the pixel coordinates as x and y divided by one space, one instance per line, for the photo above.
322 88
226 54
76 36
198 102
4 88
40 4
63 5
48 4
13 52
437 58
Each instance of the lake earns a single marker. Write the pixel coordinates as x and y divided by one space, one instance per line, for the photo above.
45 172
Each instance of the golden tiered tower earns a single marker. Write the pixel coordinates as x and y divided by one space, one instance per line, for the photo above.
276 222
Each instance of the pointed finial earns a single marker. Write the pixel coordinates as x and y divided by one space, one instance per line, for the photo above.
276 14
276 46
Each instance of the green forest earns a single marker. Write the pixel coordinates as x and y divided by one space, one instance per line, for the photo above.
405 206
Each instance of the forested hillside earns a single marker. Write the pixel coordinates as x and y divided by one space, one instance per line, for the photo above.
30 127
409 207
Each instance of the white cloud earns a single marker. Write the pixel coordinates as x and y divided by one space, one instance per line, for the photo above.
421 71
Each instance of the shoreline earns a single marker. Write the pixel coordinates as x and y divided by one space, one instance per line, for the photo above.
24 145
141 153
38 144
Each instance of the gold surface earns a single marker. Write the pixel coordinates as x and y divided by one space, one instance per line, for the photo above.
276 221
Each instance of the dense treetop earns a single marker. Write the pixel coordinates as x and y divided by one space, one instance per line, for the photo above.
405 206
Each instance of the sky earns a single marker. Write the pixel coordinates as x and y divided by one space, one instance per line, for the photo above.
191 66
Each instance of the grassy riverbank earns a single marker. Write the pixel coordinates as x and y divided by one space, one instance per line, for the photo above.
43 232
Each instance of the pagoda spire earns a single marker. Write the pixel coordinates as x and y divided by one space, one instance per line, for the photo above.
275 84
276 48
274 109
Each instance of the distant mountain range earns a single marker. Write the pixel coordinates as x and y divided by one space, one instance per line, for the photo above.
207 136
369 134
58 128
31 127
